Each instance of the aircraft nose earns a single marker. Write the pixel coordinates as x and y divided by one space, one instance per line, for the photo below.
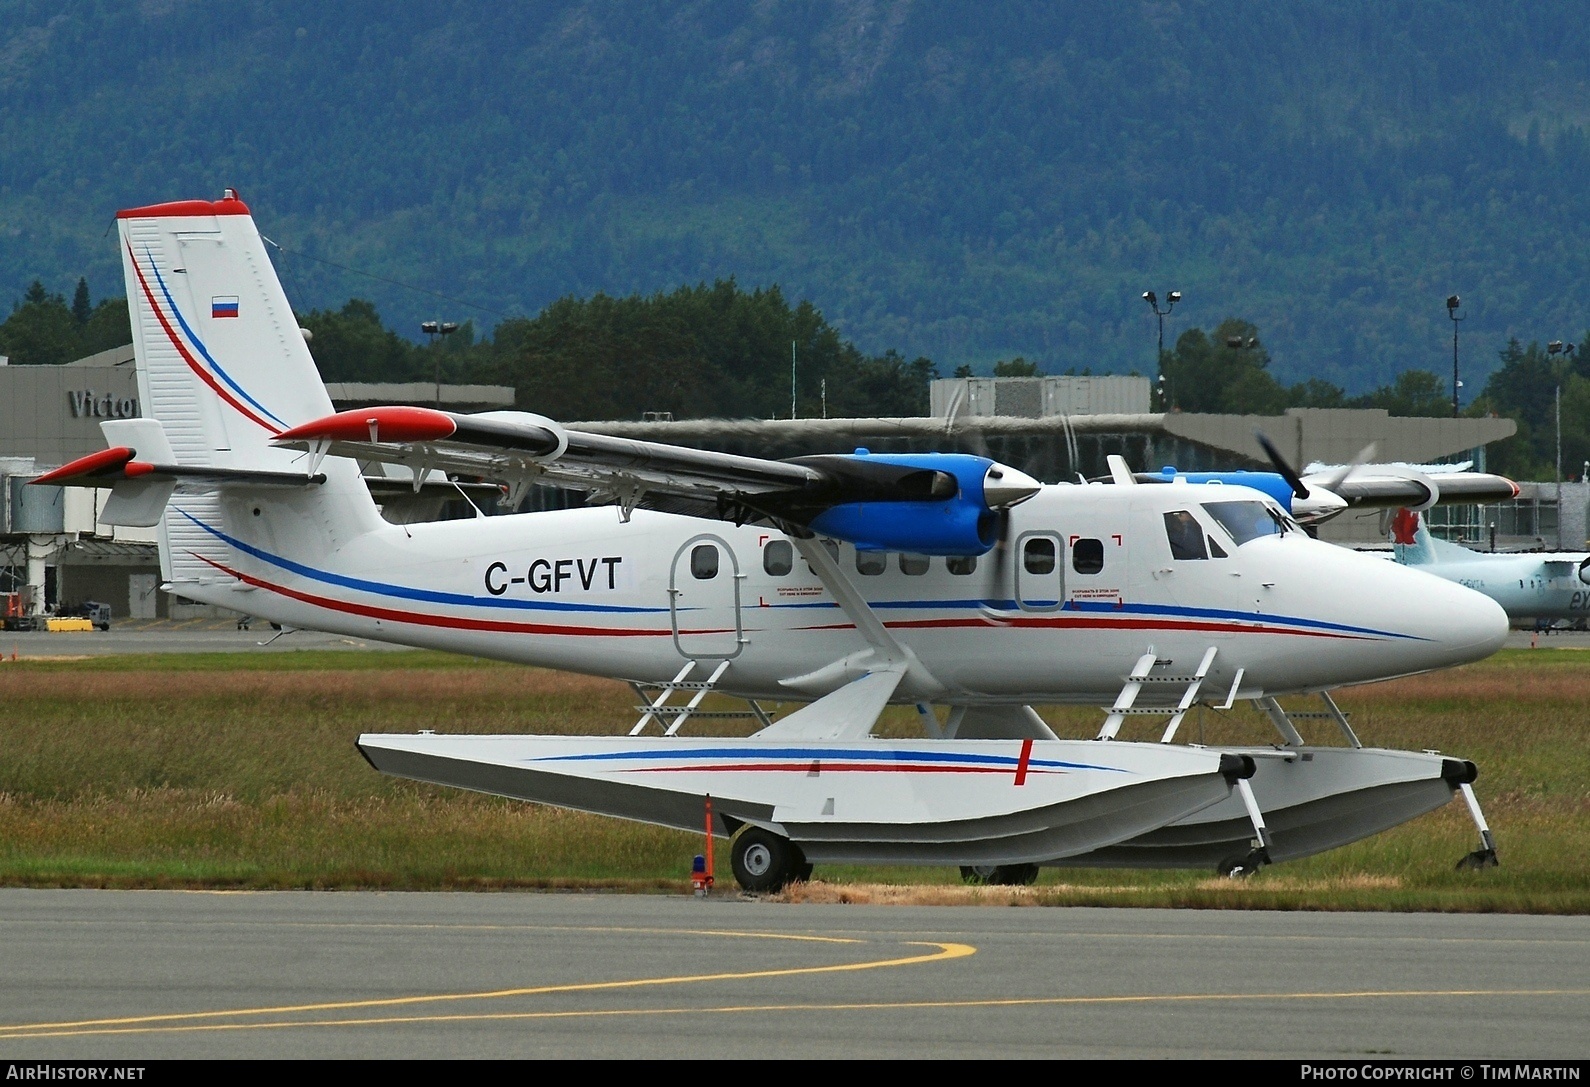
1462 624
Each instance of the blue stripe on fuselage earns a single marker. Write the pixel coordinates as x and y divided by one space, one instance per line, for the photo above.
403 592
432 596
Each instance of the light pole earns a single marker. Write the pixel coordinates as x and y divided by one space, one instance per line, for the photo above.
1171 299
434 329
1553 349
1452 304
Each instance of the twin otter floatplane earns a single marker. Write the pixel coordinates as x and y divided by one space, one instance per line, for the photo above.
848 582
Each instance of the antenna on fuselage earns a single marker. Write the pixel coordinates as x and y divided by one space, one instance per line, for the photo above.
1120 473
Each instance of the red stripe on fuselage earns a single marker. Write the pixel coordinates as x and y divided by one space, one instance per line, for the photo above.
454 622
505 627
193 364
1091 623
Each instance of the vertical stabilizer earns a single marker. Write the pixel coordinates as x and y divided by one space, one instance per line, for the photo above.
1414 546
224 368
1410 540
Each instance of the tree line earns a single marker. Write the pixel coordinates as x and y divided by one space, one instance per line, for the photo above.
721 350
44 329
705 350
1226 370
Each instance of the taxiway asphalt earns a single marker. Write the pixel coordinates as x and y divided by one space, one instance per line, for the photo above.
149 974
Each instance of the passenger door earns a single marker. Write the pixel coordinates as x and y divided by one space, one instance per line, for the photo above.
1040 576
704 599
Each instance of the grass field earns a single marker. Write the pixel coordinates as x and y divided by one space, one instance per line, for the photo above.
239 771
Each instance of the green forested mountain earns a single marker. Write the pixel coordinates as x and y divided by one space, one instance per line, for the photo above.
962 181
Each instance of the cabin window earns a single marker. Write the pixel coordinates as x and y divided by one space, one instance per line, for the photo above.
871 563
1186 535
778 557
914 565
961 565
1037 556
1245 521
1087 556
830 546
704 562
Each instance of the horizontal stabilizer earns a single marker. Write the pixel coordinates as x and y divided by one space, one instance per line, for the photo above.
141 488
109 467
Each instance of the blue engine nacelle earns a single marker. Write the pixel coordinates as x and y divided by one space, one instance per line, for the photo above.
961 524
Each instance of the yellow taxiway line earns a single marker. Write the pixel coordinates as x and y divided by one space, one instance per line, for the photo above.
951 951
192 1021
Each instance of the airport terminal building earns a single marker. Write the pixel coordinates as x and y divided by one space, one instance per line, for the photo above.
53 550
55 553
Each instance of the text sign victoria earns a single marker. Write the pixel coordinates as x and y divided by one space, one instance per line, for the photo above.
101 405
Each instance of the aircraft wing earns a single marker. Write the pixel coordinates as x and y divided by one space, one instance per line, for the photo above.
1416 490
1560 565
838 495
513 445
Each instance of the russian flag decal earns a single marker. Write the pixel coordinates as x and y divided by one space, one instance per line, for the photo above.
223 306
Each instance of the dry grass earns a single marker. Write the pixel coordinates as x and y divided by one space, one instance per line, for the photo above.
239 770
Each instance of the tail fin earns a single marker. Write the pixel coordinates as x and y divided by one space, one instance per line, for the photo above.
1414 546
223 367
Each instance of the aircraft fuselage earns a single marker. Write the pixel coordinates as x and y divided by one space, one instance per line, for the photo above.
1084 582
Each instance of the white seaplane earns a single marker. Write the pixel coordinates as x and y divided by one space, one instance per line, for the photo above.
850 582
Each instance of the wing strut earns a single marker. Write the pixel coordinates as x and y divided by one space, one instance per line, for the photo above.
886 648
850 711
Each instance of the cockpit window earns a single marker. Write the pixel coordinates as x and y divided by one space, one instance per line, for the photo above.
1186 536
1246 521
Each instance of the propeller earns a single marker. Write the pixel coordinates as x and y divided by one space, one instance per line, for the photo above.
1000 553
1361 458
1285 470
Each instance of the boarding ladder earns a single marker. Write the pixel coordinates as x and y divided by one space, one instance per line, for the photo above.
1141 676
672 717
